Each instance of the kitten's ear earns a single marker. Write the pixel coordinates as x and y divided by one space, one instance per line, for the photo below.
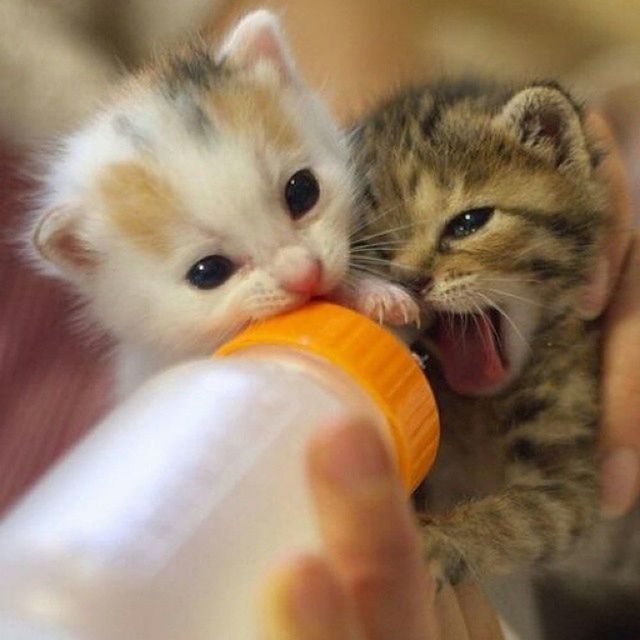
545 120
258 38
58 240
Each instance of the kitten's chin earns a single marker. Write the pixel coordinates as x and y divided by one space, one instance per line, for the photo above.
480 354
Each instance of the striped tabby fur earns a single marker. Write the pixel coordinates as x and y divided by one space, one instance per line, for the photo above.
516 480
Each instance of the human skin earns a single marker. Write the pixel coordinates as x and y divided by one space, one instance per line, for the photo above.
370 581
618 295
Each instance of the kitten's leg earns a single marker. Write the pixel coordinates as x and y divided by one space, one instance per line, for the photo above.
550 498
379 300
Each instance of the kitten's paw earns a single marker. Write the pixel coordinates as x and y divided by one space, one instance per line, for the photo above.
381 301
391 305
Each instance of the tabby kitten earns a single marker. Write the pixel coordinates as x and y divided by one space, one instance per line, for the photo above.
482 200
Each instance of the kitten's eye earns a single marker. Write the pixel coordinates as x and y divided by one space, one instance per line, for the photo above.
301 193
210 272
467 222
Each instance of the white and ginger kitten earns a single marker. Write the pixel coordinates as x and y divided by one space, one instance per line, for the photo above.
212 192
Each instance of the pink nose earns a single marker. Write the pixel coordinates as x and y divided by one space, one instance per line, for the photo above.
307 280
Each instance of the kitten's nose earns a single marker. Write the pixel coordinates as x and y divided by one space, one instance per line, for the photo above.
298 271
307 280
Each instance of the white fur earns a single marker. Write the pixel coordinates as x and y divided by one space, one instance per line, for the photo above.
230 186
258 37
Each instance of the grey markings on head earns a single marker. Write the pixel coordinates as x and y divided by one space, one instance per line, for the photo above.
198 68
196 120
195 70
124 127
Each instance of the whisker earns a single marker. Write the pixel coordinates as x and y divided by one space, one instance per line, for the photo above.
387 232
374 259
477 321
505 315
465 322
510 279
380 213
363 269
449 317
494 331
373 262
372 251
367 220
525 300
389 244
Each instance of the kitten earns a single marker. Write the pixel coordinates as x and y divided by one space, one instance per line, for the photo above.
482 200
213 191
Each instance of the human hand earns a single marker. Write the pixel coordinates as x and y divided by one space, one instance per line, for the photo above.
617 286
371 582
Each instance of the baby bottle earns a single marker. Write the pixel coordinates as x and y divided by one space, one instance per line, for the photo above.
163 523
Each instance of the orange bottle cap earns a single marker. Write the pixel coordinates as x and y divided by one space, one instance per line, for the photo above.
376 360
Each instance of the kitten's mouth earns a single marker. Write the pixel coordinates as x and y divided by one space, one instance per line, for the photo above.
471 352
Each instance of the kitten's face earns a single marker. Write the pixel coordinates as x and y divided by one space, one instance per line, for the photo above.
478 214
209 196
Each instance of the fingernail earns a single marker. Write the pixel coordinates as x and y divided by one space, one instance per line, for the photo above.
620 479
353 455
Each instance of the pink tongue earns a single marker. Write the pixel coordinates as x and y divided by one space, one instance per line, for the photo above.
468 353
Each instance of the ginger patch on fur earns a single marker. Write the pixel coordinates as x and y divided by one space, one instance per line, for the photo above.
141 204
254 109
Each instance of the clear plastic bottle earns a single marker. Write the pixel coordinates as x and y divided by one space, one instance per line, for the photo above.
164 521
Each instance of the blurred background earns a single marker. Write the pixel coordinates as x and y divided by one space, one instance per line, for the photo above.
59 58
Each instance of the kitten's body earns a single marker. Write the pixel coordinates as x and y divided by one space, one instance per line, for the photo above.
483 200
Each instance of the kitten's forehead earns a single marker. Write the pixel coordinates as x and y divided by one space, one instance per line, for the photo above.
255 110
430 160
252 106
203 156
435 157
448 133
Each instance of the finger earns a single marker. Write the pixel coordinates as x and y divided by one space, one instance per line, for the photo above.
613 175
450 620
621 391
370 533
305 601
480 618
